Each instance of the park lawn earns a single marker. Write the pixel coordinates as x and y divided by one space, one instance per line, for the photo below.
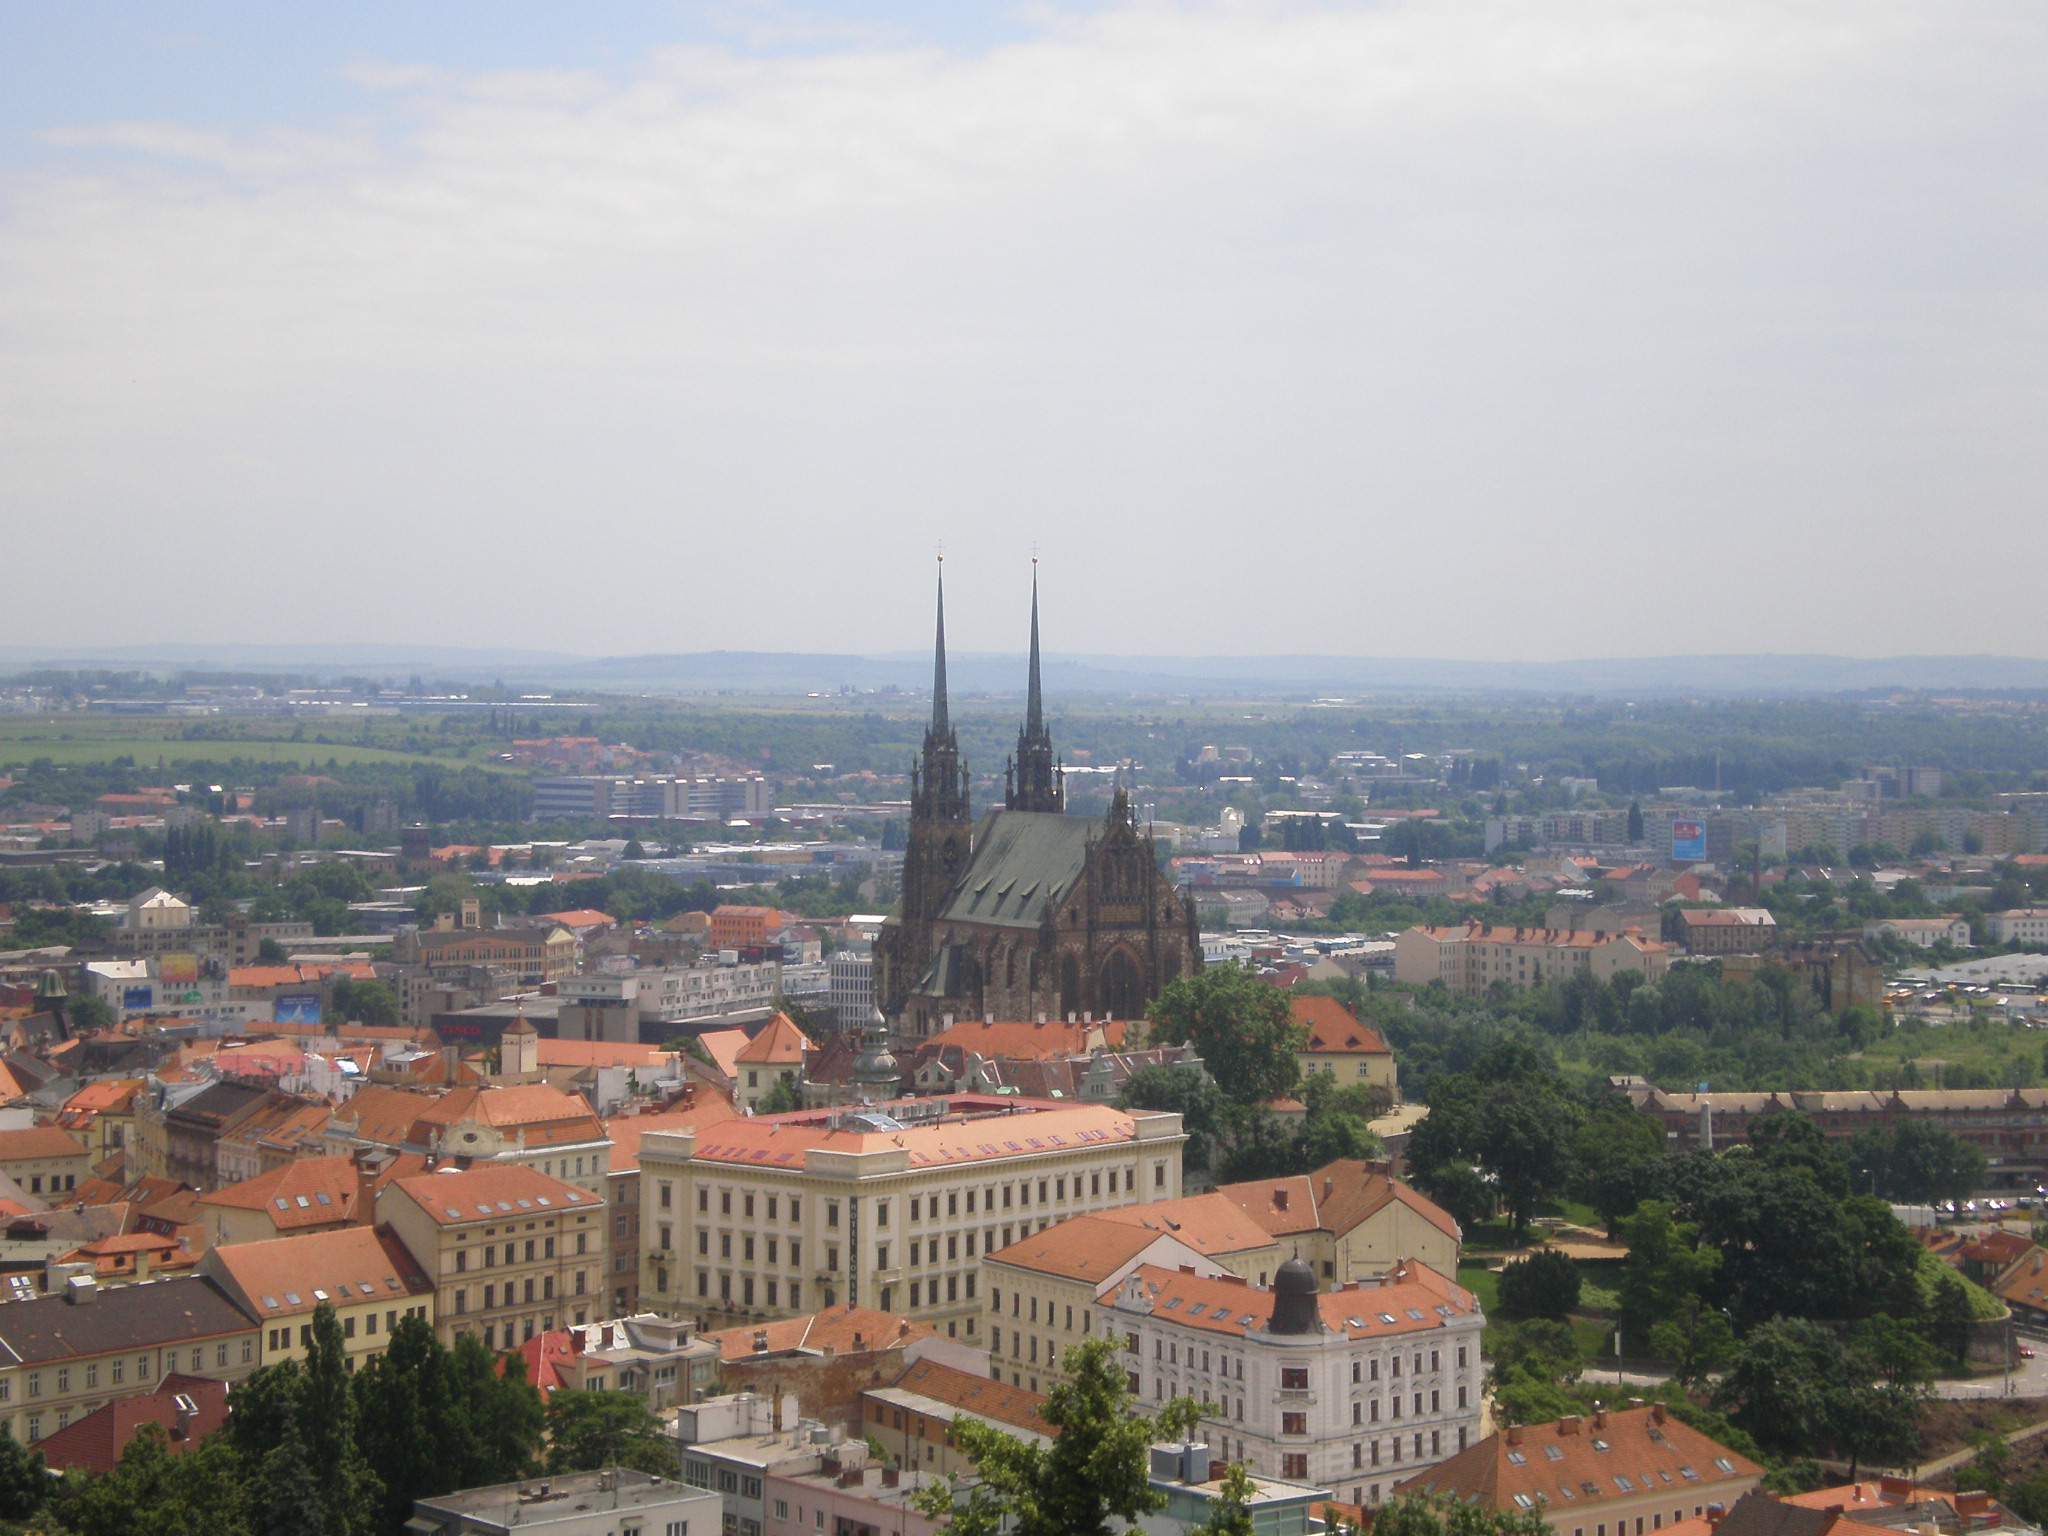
1482 1283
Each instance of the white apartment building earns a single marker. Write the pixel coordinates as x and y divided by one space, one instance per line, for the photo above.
2021 925
1921 932
889 1206
1351 1390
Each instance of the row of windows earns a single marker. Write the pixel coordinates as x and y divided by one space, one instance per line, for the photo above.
490 1252
1052 1190
513 1295
87 1374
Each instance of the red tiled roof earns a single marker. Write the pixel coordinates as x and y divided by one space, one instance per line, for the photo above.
782 1140
981 1396
844 1330
1025 1040
491 1191
289 1276
626 1130
95 1442
39 1141
306 1192
779 1043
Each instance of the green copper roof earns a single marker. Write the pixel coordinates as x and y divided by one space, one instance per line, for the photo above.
1021 858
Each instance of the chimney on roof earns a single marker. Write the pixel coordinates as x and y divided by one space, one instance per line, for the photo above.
1656 1413
1514 1434
1568 1425
1279 1199
1041 1020
1715 1512
1599 1416
857 1341
1328 1185
1635 1402
761 1341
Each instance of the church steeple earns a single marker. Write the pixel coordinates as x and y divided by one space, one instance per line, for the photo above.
1034 779
938 782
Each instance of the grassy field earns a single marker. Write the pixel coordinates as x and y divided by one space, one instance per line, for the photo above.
77 739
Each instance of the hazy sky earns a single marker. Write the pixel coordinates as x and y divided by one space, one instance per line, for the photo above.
1475 328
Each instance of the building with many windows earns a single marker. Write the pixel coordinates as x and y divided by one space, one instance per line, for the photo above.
63 1356
890 1205
364 1273
1473 956
510 1251
1349 1390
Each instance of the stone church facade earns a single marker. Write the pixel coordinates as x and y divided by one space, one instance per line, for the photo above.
1029 912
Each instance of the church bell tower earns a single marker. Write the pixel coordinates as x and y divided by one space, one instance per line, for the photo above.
1033 780
940 840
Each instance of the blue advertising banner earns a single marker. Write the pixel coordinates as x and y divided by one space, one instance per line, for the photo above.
1688 842
295 1008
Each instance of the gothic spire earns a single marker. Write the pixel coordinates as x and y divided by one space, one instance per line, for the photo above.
940 724
1035 785
1034 695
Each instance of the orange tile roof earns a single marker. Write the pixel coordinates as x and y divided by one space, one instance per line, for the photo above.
981 1396
1210 1223
95 1442
540 1112
1335 1198
724 1047
1025 1040
626 1130
306 1192
100 1098
289 1276
490 1192
581 917
1406 1303
1333 1029
780 1043
383 1114
1085 1248
843 1330
1573 1463
1018 1128
39 1141
598 1053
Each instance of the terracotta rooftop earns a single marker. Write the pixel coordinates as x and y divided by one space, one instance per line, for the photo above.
1208 1223
1332 1028
95 1442
39 1141
289 1276
778 1044
1575 1462
1414 1297
626 1130
306 1192
490 1192
1335 1198
837 1330
1022 1039
980 1128
1085 1248
978 1395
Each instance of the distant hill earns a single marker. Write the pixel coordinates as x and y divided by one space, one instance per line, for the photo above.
994 673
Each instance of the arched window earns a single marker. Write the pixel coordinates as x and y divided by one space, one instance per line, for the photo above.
1121 987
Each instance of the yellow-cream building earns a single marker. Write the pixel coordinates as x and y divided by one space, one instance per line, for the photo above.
367 1275
889 1206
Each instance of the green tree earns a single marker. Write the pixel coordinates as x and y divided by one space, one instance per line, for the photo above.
1193 1096
1619 1152
1425 1514
1696 1339
150 1492
1242 1028
1231 1513
24 1481
368 1001
1894 1351
86 1012
270 952
1949 1316
591 1430
780 1098
1635 821
1781 1386
1665 1268
1533 1363
1091 1481
1545 1284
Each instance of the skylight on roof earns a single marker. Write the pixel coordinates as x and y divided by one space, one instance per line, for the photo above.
271 1302
1173 1302
1416 1316
283 1204
292 1297
1724 1463
526 1205
1621 1481
1688 1474
1517 1459
1601 1445
1553 1452
1388 1317
543 1199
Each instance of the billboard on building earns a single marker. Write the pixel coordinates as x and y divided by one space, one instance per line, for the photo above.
137 999
295 1008
1688 842
176 967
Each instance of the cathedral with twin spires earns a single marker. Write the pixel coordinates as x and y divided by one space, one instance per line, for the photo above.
1029 912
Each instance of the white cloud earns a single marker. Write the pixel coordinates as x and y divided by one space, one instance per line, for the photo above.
1465 328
